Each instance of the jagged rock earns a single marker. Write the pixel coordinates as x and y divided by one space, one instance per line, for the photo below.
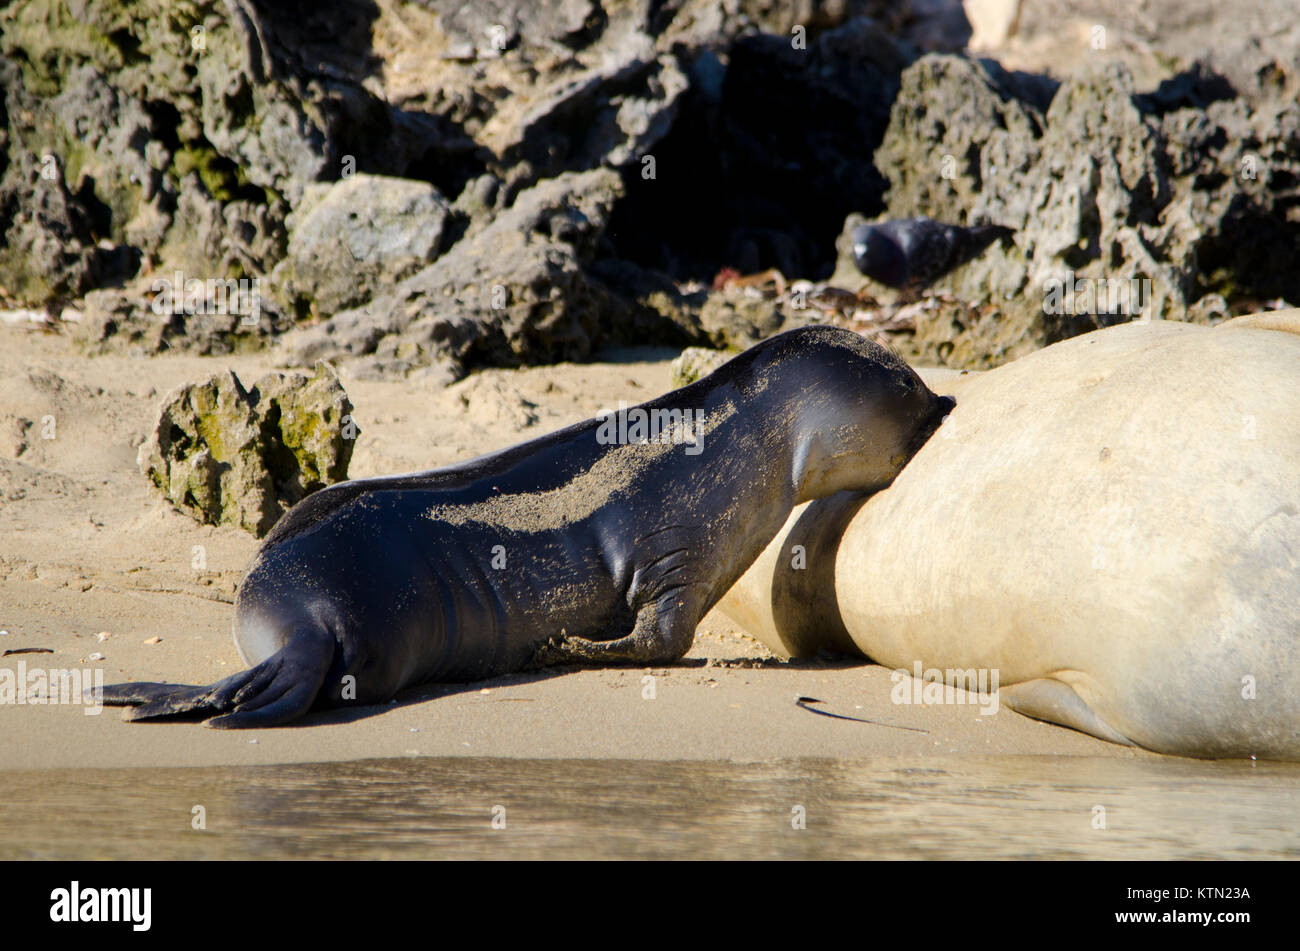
237 239
612 115
354 236
222 316
478 203
182 137
84 187
48 252
767 153
515 292
230 455
740 318
547 88
1124 205
132 100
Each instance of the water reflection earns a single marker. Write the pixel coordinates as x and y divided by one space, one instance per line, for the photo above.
1004 807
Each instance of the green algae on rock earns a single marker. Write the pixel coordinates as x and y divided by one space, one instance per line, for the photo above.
232 455
696 362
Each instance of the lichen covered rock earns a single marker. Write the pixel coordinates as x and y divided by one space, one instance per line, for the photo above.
697 362
230 455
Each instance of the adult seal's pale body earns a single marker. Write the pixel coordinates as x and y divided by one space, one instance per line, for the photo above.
566 548
1113 523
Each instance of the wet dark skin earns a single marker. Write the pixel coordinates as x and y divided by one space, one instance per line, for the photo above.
563 549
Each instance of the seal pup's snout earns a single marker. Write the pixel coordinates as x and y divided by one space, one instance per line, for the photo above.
943 405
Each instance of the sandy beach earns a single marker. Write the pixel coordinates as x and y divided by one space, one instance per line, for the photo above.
88 548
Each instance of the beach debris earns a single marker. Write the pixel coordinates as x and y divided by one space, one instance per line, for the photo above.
730 277
803 703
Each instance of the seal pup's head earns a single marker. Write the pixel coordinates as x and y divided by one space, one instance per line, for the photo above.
855 410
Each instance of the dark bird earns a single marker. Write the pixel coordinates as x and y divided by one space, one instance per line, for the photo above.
910 254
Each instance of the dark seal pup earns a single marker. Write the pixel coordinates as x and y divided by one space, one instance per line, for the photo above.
605 541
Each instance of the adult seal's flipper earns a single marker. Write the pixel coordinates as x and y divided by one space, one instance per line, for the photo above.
1056 702
281 688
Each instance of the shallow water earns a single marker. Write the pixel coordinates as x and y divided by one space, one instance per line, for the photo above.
886 808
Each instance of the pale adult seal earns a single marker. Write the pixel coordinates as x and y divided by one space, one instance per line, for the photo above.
1112 523
605 541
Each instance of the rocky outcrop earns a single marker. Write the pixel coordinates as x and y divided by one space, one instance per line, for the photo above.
427 186
516 292
230 455
1125 205
228 140
351 238
767 153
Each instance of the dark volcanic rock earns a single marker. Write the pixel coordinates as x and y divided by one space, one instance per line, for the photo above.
352 237
767 154
607 157
182 138
515 292
1142 203
158 119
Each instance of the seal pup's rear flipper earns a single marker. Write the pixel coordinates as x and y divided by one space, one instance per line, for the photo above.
279 689
1056 702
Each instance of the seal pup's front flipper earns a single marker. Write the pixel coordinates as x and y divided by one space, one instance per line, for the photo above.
1056 702
663 632
279 689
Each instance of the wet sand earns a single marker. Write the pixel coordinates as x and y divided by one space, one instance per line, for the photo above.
879 807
